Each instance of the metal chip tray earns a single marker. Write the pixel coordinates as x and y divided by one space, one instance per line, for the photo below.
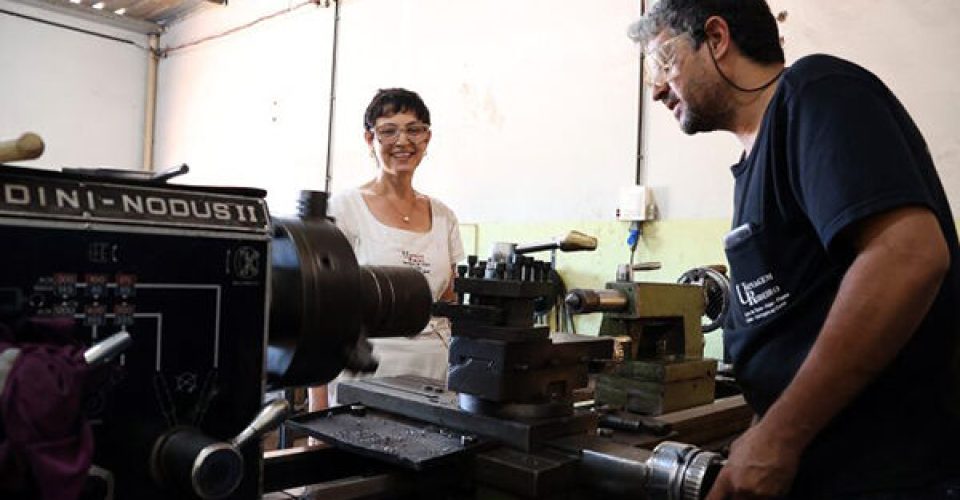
385 437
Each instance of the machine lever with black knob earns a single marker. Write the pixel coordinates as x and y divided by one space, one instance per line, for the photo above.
190 461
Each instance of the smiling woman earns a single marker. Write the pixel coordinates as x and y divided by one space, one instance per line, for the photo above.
387 222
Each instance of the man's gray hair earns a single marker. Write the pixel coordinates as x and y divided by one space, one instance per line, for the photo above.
656 21
753 27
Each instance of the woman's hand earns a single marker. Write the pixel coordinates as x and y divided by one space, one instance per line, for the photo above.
449 295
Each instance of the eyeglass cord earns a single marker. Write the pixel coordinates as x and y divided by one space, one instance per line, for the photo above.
734 85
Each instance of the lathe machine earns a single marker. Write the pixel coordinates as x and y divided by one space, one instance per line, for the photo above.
171 310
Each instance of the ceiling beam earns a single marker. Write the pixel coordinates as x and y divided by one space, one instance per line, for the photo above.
95 15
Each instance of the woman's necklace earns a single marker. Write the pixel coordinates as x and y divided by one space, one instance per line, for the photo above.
404 217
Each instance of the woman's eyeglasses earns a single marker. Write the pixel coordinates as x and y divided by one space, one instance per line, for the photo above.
389 134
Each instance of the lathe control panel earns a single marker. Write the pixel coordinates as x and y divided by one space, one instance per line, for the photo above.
190 288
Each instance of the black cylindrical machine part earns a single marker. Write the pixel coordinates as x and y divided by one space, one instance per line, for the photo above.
315 306
395 301
312 205
194 465
322 302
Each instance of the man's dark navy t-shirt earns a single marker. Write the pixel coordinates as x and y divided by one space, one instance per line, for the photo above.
834 148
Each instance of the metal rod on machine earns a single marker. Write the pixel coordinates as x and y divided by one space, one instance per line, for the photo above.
582 301
672 471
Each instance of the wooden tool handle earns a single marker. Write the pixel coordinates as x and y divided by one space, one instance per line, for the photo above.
27 147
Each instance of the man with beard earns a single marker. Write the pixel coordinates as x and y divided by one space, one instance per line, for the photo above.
844 257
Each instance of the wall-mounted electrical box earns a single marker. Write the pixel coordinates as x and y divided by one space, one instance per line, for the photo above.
635 203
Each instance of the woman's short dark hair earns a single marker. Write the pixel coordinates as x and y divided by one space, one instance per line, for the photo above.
389 102
752 25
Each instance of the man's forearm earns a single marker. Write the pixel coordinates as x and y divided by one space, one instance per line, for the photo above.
870 321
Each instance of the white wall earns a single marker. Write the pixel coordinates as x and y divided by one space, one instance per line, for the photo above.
524 96
83 94
534 102
250 109
914 47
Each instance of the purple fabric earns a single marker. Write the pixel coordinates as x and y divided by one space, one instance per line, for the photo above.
48 446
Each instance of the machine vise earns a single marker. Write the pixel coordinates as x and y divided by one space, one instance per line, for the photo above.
660 365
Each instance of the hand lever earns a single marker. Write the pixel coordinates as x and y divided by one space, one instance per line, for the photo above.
573 241
104 351
188 459
268 418
26 147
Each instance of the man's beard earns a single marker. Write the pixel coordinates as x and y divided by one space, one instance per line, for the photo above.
708 109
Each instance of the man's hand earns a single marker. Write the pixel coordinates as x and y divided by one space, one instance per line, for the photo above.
760 466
